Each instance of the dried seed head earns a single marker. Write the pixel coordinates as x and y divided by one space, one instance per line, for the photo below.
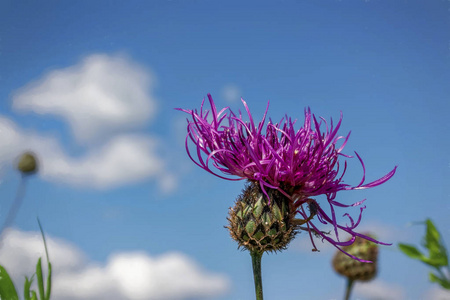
353 269
259 226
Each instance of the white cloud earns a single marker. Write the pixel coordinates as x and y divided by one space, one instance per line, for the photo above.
123 159
437 293
102 98
378 290
20 251
99 96
231 93
127 275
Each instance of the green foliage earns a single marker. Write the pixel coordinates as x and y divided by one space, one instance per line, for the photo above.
26 288
444 282
412 252
8 291
437 257
432 241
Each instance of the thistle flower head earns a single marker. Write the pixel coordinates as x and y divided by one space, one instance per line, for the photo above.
299 163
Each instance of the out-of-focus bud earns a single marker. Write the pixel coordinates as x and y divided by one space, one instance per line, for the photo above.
27 163
353 269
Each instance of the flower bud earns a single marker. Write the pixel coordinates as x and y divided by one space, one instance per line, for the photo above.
259 226
354 269
27 163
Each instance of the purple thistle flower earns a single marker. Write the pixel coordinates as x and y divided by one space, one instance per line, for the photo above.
299 163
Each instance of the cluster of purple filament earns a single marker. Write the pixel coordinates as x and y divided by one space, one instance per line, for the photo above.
299 163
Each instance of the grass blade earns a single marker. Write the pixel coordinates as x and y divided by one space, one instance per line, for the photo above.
26 288
49 275
49 282
40 279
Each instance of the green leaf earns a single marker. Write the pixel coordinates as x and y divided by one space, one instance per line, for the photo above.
442 281
437 252
40 279
49 266
7 289
33 295
432 236
26 288
412 251
436 261
49 282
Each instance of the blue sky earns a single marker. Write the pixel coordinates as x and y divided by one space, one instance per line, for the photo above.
91 87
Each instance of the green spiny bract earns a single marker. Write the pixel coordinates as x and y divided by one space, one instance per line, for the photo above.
353 269
259 226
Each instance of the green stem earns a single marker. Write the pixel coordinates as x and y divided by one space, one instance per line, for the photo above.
348 290
14 207
256 263
445 278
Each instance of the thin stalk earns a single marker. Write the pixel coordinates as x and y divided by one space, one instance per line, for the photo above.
348 290
15 206
256 263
